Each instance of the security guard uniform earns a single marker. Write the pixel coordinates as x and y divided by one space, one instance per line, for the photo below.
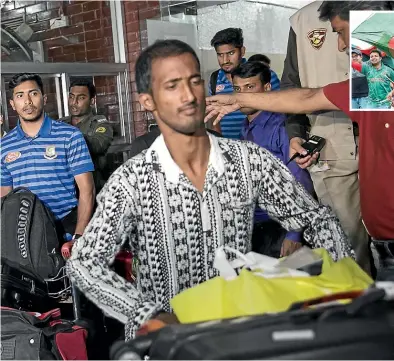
335 176
98 134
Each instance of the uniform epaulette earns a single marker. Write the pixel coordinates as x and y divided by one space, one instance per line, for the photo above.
100 118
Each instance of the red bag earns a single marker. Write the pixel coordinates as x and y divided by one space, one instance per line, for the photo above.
35 336
125 265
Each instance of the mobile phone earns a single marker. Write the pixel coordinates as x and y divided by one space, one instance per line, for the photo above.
313 145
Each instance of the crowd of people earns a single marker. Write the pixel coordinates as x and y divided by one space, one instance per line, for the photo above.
217 170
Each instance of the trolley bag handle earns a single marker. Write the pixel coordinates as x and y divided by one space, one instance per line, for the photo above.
325 299
135 349
360 299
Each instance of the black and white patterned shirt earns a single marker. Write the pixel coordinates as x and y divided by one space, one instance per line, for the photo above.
174 229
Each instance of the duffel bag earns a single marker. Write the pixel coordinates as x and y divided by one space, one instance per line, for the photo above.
30 336
362 329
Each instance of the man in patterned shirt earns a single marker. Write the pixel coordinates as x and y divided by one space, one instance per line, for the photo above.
185 196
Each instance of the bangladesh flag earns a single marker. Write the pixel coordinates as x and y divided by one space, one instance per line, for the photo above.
378 30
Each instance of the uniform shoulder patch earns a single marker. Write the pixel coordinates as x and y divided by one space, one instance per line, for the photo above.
317 37
101 130
100 119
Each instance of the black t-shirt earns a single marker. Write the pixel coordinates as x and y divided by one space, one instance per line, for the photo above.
359 85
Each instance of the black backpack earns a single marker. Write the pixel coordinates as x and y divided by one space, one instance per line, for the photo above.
213 81
29 250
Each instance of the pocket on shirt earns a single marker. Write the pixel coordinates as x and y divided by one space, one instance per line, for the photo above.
239 215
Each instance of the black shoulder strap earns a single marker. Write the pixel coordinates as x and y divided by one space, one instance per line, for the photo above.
213 80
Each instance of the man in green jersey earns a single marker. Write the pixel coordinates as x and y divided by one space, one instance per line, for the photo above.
380 81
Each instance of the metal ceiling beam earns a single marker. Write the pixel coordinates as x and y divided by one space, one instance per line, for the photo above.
69 68
21 44
203 4
189 7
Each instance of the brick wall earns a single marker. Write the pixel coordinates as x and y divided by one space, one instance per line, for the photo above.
88 38
136 13
89 34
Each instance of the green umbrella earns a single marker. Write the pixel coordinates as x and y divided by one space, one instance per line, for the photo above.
378 30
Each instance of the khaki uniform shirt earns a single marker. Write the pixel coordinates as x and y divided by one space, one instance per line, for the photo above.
98 134
320 63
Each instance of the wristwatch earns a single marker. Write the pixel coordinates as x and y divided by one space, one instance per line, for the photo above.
76 236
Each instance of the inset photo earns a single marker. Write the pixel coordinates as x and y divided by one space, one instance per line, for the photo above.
372 60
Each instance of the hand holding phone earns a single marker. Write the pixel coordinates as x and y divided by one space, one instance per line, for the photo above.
313 145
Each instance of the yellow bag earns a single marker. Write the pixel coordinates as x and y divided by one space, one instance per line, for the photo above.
251 293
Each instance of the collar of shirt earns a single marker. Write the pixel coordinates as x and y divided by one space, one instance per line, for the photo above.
222 75
45 129
85 118
376 70
159 155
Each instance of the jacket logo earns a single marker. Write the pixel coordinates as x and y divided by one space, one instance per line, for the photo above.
12 156
101 130
317 37
219 88
50 152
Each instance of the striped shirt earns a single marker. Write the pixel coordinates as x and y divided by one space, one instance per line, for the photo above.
46 164
275 83
232 123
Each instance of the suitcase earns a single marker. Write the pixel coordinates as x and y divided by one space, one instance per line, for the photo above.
362 329
22 290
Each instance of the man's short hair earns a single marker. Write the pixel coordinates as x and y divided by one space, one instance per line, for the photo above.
251 69
84 82
260 57
330 9
232 36
161 49
376 51
22 77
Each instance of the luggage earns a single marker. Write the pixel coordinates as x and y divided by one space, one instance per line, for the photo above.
30 336
362 329
30 252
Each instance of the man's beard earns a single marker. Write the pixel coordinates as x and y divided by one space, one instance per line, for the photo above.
35 119
228 71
